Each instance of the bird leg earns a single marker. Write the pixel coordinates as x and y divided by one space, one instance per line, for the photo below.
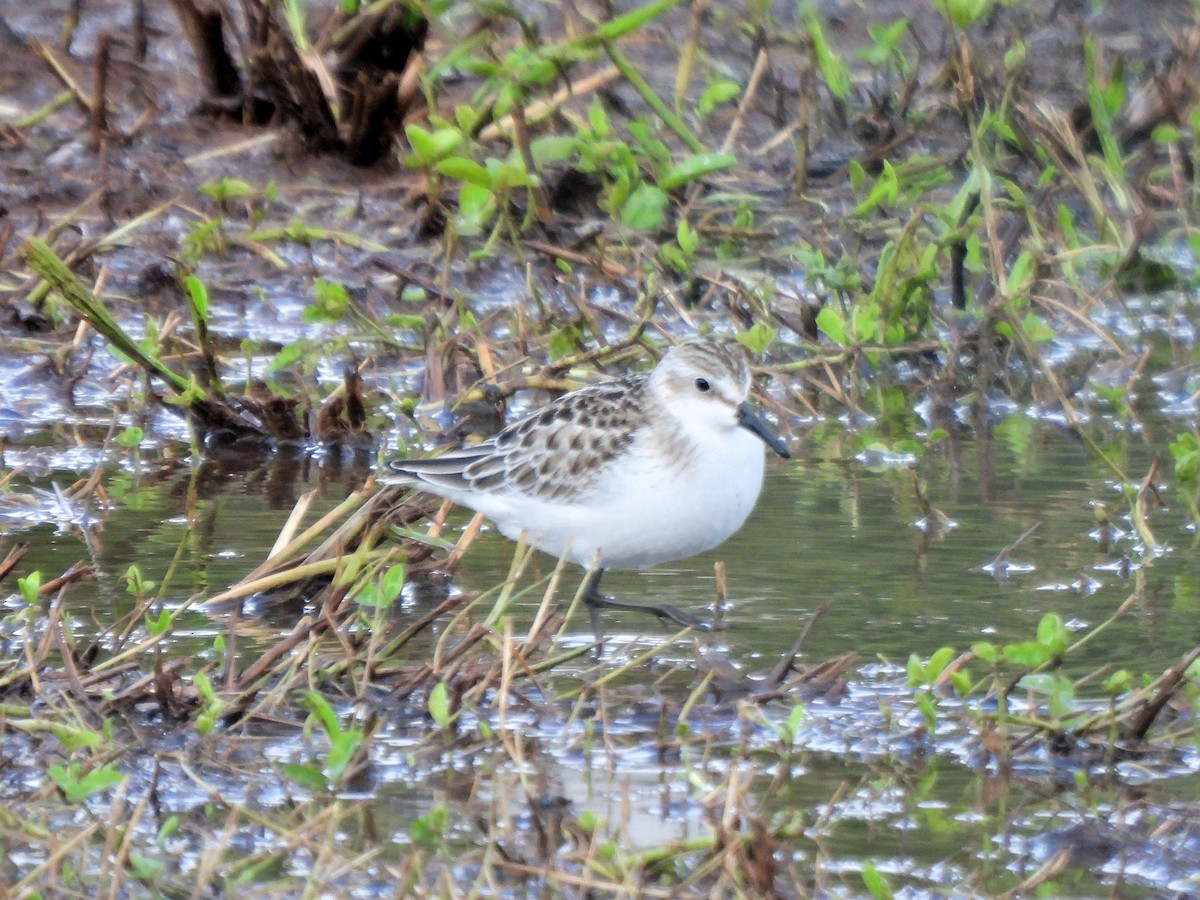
596 601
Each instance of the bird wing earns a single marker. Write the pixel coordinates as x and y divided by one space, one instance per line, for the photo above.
554 453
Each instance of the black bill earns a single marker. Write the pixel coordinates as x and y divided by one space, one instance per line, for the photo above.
750 420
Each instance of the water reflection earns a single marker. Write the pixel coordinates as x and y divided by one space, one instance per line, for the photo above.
827 528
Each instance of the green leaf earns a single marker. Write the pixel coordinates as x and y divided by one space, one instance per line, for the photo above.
509 174
159 624
1014 57
1022 271
308 777
916 670
465 170
858 175
29 586
631 21
169 827
833 68
392 582
204 687
145 868
289 356
227 189
1052 632
70 737
696 166
429 147
78 788
717 93
316 703
875 883
1037 329
439 704
928 707
883 193
341 753
475 207
938 662
830 321
885 37
1029 654
552 148
331 302
131 437
1038 682
197 295
428 830
598 119
687 237
758 338
646 208
986 651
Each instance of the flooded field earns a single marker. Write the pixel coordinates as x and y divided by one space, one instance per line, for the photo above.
956 650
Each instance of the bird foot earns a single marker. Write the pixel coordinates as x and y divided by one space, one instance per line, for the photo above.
664 611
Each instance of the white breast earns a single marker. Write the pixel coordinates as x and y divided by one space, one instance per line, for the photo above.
646 510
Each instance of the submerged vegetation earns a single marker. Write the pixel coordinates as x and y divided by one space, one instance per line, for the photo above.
936 227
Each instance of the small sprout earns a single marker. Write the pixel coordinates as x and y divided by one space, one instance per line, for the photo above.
29 587
206 721
227 189
962 14
1119 682
135 584
718 92
343 742
159 624
886 37
928 673
429 830
131 437
332 302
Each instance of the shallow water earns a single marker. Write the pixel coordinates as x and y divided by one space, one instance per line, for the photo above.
836 531
837 524
826 530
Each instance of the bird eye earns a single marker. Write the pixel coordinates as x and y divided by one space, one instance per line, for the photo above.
703 386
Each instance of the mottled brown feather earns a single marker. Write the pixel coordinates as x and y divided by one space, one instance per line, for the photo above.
546 454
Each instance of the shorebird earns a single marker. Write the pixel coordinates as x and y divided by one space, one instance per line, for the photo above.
623 474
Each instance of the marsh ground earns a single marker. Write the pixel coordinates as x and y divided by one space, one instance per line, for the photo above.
1034 166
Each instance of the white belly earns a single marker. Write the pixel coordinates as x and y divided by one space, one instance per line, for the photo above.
643 513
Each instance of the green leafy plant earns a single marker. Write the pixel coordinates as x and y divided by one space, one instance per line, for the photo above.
30 587
344 743
77 784
1185 451
213 706
925 675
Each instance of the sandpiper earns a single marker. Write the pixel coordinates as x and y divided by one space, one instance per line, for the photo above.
623 474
